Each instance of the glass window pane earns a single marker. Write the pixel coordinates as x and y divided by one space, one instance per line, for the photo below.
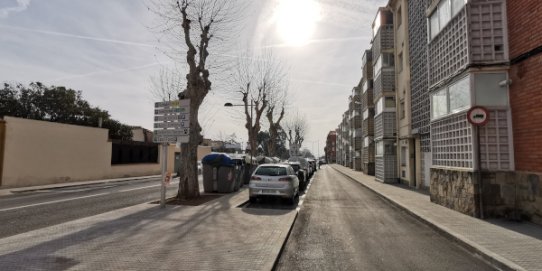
439 105
377 66
434 27
444 13
376 25
487 89
457 5
379 148
390 102
379 106
460 95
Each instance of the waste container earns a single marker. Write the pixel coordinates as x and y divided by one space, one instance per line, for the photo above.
239 173
210 178
218 173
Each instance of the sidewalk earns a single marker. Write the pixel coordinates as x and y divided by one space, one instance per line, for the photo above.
8 191
505 248
213 236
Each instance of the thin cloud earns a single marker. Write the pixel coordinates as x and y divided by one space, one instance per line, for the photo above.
21 6
79 36
105 72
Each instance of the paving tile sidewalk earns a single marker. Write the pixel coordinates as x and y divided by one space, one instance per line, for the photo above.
505 248
212 236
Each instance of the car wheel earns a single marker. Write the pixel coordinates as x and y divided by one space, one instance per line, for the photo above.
291 201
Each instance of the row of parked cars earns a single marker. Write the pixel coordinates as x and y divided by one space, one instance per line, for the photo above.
284 179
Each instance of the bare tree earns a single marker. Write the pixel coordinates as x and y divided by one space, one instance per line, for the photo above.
257 79
196 24
166 85
296 128
275 114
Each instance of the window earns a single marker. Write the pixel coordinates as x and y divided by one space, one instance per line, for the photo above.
366 114
379 106
459 95
434 26
379 148
367 141
403 156
402 108
400 62
399 18
439 104
389 102
457 5
271 171
384 60
443 14
451 99
376 24
488 90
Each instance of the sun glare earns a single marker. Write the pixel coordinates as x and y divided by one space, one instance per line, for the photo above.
296 20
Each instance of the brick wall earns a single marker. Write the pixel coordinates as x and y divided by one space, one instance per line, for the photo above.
525 34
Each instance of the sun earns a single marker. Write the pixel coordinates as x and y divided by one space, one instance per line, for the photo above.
296 20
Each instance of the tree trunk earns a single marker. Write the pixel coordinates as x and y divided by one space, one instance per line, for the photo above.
188 175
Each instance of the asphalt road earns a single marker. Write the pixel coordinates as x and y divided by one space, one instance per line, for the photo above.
30 210
345 226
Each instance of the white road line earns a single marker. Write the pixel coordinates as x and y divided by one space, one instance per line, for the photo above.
82 197
54 201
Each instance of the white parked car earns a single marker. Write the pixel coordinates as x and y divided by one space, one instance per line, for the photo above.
274 180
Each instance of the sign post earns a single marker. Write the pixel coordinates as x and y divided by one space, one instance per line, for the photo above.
478 116
171 124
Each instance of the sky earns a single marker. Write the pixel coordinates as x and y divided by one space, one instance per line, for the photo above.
110 50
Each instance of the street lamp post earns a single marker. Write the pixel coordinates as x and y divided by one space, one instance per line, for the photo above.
251 106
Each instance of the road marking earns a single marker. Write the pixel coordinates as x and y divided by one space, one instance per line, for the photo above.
54 201
143 187
82 197
302 198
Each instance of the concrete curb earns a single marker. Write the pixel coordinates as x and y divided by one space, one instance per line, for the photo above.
496 260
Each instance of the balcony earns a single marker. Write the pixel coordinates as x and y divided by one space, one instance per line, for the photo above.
384 82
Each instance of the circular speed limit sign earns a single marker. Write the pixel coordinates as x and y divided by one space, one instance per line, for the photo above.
478 115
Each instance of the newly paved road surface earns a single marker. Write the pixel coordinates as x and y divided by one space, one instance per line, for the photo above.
30 210
345 226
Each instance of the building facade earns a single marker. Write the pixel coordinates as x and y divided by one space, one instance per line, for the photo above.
385 131
331 149
406 170
367 109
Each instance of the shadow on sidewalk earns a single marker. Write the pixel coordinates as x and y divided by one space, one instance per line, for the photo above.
524 227
115 234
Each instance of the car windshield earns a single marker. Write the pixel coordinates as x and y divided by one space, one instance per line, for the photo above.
295 167
271 171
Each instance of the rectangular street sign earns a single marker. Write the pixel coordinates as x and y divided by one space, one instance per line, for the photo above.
164 139
174 103
171 117
175 110
172 132
173 124
172 121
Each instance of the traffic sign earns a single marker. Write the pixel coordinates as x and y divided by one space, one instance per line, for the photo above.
478 115
171 121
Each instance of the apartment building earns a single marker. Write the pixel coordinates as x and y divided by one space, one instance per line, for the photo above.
385 131
330 149
367 109
355 124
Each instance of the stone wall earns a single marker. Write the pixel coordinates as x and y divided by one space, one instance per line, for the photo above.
513 195
455 189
